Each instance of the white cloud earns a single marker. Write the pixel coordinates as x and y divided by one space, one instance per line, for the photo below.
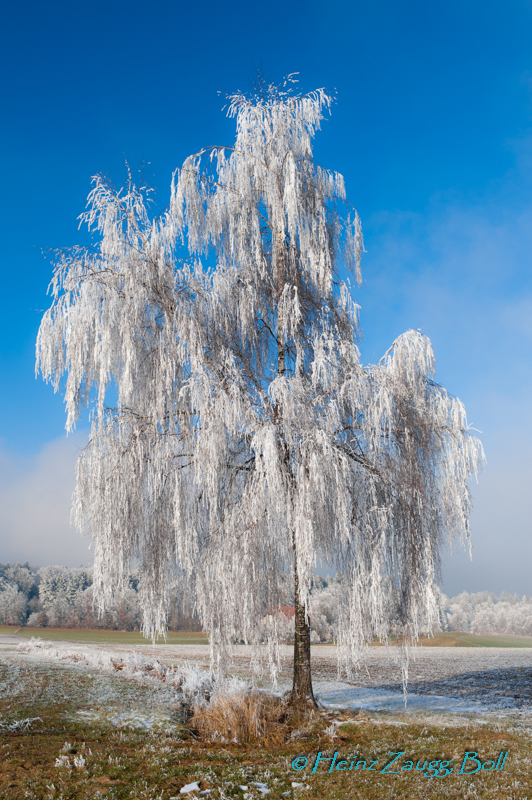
35 498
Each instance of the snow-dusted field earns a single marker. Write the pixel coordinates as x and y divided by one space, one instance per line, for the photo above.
443 682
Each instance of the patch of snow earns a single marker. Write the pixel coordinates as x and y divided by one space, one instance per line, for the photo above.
135 720
343 695
263 788
190 787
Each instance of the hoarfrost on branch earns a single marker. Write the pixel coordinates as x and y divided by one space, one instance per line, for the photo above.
247 438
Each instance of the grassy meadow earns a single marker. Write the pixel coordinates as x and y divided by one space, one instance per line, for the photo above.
459 639
82 744
69 733
448 639
134 764
99 636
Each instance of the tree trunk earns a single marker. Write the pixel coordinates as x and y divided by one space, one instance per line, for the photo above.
302 686
301 693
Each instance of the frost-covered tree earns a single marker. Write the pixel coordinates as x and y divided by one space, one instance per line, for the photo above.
245 437
62 583
66 600
484 612
19 588
13 605
22 575
325 606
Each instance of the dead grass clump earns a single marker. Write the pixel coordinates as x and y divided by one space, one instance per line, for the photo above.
247 716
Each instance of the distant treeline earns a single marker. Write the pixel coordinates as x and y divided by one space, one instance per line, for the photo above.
61 597
485 612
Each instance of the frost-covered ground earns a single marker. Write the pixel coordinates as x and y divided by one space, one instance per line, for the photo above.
108 718
454 682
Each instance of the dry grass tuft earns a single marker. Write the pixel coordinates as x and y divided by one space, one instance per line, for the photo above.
247 716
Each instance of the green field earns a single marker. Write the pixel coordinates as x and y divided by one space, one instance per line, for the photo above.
450 639
104 637
460 639
463 639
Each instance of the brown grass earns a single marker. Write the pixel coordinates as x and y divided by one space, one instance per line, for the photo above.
245 717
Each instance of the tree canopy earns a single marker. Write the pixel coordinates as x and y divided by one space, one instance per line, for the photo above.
246 438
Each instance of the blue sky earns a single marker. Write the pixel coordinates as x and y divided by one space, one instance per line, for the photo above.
433 133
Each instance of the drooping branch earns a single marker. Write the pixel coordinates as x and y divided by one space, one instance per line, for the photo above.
246 438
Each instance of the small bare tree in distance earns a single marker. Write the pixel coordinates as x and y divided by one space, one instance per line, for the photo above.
246 438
